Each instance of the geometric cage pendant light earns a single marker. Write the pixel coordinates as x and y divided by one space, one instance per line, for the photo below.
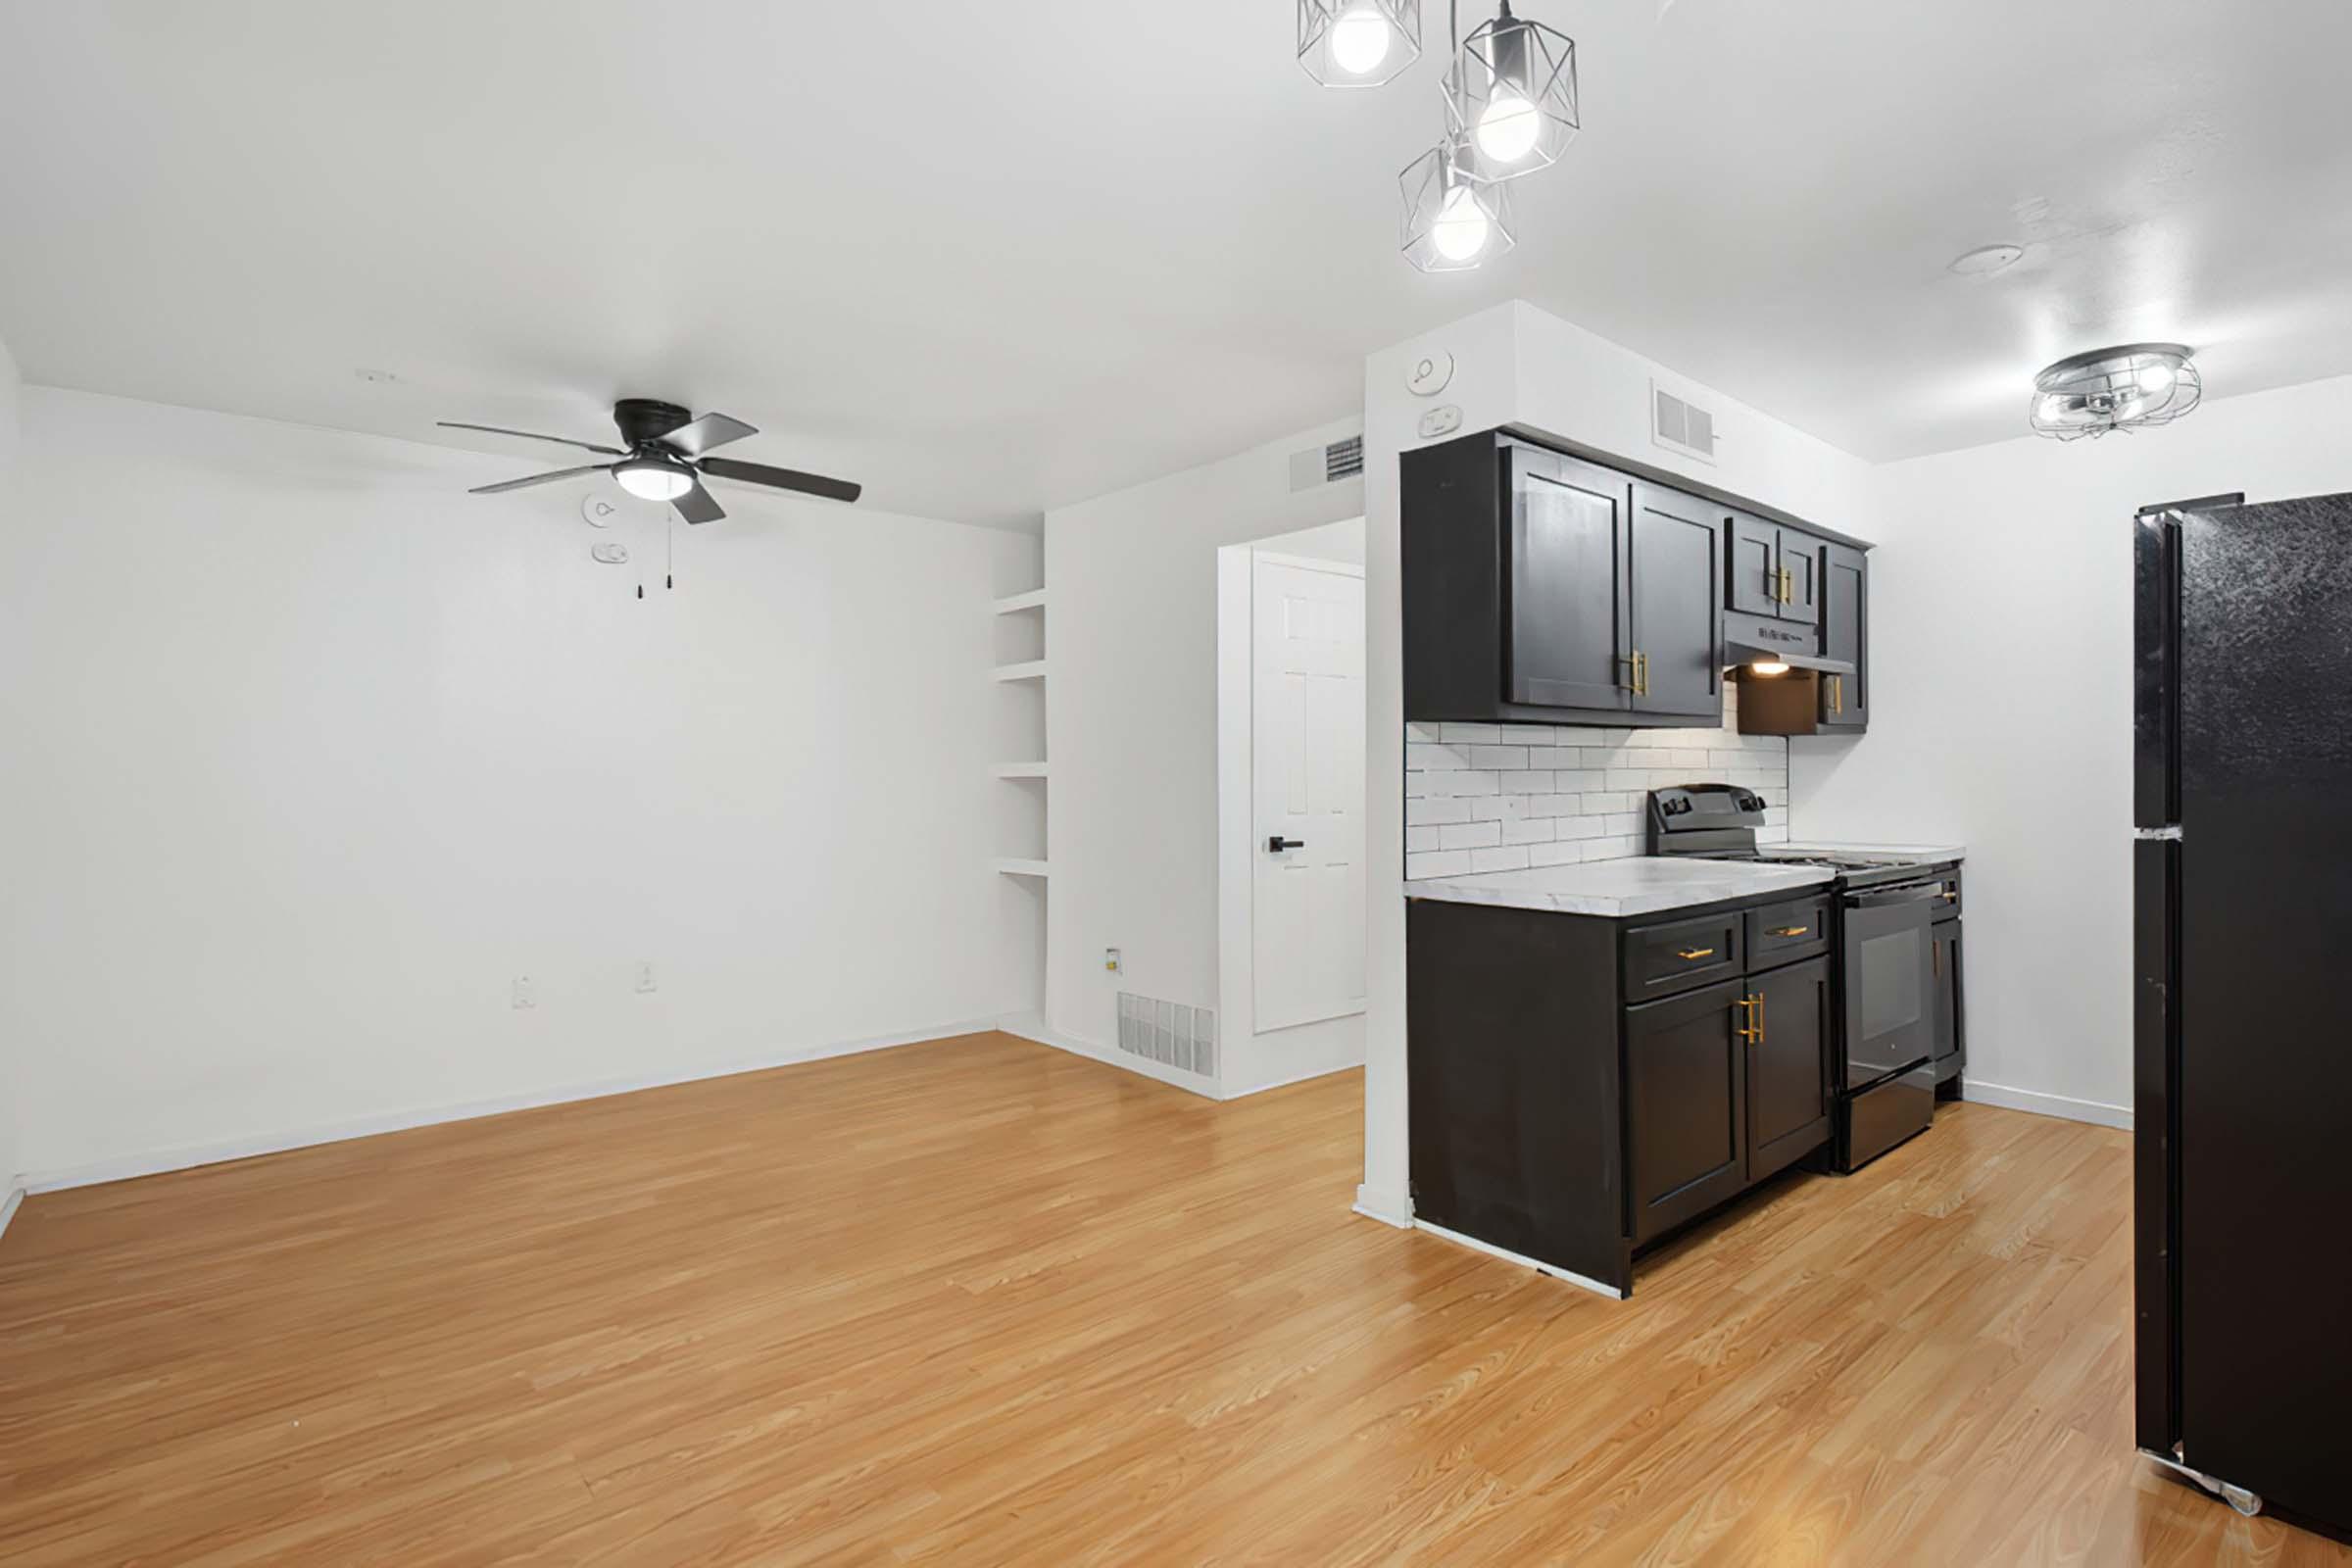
1511 91
1453 221
1358 43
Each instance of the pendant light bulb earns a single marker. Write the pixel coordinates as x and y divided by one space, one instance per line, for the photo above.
2156 379
1359 40
1508 126
1462 230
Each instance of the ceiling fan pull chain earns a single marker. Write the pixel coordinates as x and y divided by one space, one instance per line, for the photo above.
669 549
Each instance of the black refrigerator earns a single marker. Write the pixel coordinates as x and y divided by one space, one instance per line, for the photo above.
2242 1039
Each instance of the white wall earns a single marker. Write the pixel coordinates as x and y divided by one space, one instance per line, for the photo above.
319 753
2000 661
1131 724
1516 364
11 760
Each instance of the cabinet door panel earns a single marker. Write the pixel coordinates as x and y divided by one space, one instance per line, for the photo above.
1846 635
1754 552
1565 600
1685 1129
1950 1046
1800 557
1678 602
1787 1066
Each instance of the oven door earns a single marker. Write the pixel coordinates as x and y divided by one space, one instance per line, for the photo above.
1889 980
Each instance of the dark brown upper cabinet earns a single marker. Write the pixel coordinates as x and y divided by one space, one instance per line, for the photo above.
1571 546
1676 599
1845 700
1772 570
1558 586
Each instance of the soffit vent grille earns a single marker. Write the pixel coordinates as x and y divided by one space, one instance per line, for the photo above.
1682 424
1169 1033
1322 466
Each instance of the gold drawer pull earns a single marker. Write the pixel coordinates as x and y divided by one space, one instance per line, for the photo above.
1694 953
1791 930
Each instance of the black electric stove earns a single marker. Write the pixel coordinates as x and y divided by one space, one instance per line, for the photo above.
1884 907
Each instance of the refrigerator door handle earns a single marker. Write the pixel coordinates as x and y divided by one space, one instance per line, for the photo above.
2169 832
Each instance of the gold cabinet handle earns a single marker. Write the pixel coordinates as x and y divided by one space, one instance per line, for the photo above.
1633 671
1640 674
1791 930
1694 953
1951 895
1751 1029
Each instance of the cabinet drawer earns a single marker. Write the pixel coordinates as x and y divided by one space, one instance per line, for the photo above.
1661 960
1781 932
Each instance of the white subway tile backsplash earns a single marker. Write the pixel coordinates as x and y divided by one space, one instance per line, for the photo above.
1498 797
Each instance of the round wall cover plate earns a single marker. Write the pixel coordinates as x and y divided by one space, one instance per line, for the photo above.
611 552
600 512
1430 374
1444 420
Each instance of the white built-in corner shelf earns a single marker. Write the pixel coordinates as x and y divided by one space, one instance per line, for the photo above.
1034 669
1013 868
1034 599
1020 770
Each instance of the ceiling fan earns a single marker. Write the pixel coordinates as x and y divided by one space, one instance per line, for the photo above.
665 458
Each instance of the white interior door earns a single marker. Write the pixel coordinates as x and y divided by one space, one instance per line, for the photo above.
1306 651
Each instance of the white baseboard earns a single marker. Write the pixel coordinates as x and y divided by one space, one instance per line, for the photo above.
1303 1075
1390 1208
186 1156
9 1206
2042 1104
1029 1026
1566 1276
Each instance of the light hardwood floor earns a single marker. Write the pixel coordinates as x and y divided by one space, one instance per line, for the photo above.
979 1301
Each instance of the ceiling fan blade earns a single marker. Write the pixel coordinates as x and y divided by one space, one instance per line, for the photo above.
711 431
533 435
815 484
536 478
698 505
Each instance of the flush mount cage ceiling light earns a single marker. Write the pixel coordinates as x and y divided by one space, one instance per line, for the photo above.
2134 386
1510 94
1358 43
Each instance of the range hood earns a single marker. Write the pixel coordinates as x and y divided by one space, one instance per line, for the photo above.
1751 643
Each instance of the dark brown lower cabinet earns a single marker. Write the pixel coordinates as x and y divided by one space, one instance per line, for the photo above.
1578 1086
1951 1021
1685 1071
1787 1066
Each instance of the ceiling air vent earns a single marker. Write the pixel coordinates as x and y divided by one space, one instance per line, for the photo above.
1322 466
1681 425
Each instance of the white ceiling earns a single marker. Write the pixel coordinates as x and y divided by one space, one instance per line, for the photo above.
991 258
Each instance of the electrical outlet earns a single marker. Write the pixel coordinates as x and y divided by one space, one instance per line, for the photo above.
526 994
1110 961
645 975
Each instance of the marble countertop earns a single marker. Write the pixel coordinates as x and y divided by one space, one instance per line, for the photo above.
1907 851
1642 884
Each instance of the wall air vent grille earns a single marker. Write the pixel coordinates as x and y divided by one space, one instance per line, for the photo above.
1681 425
1169 1033
1316 466
1343 459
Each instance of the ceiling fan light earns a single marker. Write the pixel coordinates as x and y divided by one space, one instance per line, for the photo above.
1358 43
1511 89
652 480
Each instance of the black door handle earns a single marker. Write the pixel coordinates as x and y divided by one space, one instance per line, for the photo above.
1277 844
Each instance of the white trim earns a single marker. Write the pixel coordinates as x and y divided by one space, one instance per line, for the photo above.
1524 1261
1338 568
1390 1208
1303 1074
1027 1026
186 1156
9 1206
1976 1092
1027 669
1237 1014
1013 605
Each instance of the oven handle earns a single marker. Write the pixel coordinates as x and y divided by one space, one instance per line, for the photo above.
1917 893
